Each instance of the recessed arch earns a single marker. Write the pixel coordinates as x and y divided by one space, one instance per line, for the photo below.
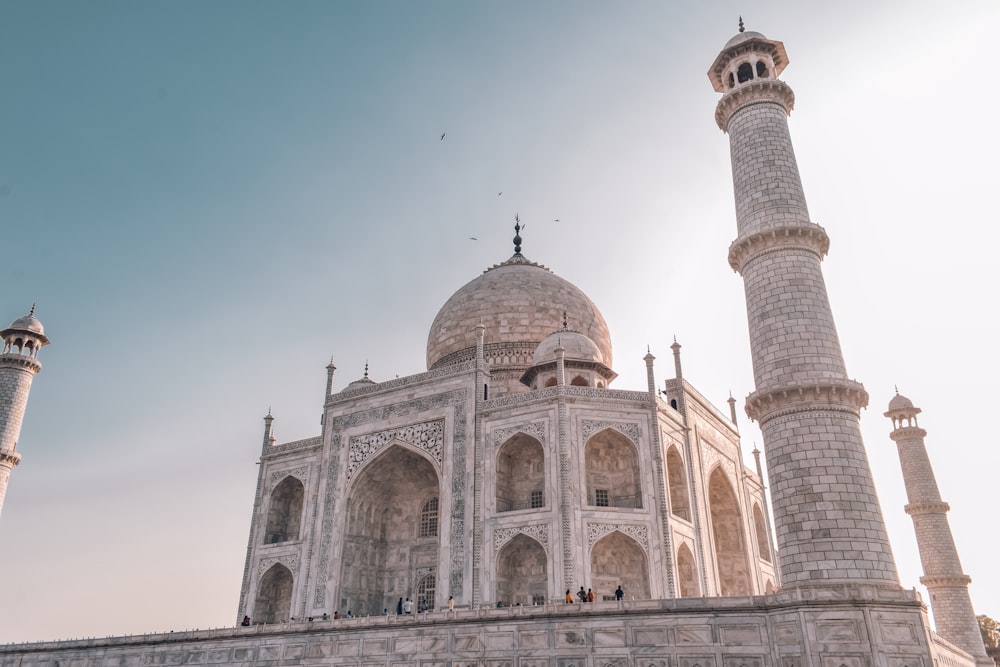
284 515
388 537
677 481
426 588
759 527
520 474
744 73
727 531
616 559
522 572
612 469
686 578
580 381
274 596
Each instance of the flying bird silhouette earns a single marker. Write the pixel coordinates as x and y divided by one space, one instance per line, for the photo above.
442 137
473 238
499 193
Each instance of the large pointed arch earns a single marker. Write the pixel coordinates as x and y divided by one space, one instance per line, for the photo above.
522 572
520 474
680 503
284 514
687 580
391 531
612 468
616 559
727 532
274 596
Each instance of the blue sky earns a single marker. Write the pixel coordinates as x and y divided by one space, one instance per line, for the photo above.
209 199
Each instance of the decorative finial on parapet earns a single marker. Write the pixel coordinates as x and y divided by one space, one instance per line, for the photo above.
565 322
517 234
732 408
742 28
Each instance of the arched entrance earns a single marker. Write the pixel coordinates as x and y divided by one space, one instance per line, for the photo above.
617 559
520 474
522 573
687 583
284 517
763 544
391 532
274 596
612 471
677 480
727 529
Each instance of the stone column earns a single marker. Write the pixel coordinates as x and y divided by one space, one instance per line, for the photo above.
829 525
947 584
18 366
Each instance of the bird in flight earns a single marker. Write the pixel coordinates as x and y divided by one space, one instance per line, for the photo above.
442 136
556 220
473 238
499 193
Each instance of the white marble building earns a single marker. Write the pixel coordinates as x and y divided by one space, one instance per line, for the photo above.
510 472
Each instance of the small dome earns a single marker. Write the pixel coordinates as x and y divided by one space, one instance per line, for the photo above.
358 384
28 323
741 37
900 402
577 348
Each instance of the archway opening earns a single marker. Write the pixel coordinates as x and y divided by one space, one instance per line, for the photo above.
274 596
686 580
520 475
727 529
612 467
284 517
763 546
391 533
617 559
522 572
677 480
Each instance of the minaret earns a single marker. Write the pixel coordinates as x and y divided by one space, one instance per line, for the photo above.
18 366
829 526
943 577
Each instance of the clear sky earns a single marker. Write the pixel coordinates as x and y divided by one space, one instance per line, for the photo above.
209 199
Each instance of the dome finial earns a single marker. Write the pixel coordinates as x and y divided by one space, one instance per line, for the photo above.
742 28
517 234
565 322
31 313
366 368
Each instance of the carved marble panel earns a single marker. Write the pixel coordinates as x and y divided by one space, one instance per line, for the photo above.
630 430
596 531
535 429
428 436
539 533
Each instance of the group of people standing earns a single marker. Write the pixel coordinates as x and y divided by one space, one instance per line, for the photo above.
584 596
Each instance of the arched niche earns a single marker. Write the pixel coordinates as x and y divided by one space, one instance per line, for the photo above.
426 590
391 530
274 596
680 503
760 529
616 559
580 381
522 572
520 474
727 531
284 515
612 469
687 582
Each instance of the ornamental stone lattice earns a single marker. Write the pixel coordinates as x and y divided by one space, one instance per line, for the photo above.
539 532
628 429
428 436
596 531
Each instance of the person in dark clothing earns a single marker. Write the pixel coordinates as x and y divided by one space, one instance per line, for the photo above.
399 607
619 593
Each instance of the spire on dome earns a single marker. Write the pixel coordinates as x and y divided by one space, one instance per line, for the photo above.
517 234
742 27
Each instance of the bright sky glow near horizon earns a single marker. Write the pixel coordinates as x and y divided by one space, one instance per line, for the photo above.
207 200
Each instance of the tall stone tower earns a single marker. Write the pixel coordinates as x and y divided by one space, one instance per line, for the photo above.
18 366
828 522
943 576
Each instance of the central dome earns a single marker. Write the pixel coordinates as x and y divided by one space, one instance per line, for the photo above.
520 303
